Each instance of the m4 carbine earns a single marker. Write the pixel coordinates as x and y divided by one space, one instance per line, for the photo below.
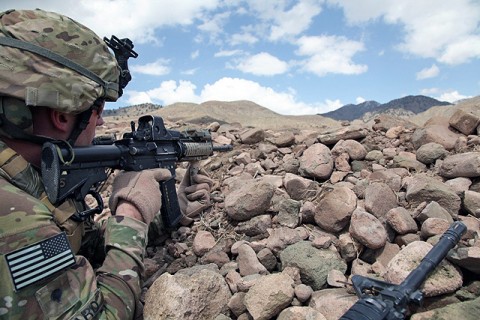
391 301
75 172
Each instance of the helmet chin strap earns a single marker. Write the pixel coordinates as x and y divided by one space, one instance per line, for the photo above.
82 122
83 119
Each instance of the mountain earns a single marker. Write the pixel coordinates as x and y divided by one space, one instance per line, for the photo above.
352 111
406 106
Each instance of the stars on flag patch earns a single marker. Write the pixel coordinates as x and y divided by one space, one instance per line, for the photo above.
38 261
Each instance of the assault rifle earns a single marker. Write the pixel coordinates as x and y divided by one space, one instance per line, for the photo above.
390 301
76 172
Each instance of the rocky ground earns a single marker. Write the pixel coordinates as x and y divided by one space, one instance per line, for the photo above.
296 213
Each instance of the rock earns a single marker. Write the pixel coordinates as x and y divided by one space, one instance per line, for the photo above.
316 162
379 199
236 303
433 226
344 133
332 303
468 310
288 213
354 149
203 242
367 229
283 139
252 136
423 188
434 133
461 165
267 259
314 264
334 208
401 220
445 279
387 176
269 296
430 152
250 200
471 202
303 292
467 257
201 295
434 210
348 247
299 188
248 262
300 313
256 227
459 185
282 237
465 122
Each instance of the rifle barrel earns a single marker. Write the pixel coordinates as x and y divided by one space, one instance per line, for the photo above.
448 240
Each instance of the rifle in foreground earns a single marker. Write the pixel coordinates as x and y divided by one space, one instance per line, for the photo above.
391 300
76 172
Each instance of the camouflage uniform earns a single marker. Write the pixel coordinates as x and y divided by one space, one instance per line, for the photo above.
81 291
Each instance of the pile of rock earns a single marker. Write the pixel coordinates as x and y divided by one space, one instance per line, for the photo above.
297 213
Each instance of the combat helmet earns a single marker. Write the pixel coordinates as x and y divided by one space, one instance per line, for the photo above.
50 60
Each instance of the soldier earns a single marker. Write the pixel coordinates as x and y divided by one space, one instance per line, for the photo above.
55 77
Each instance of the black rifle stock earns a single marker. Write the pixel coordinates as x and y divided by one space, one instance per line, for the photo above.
74 172
392 300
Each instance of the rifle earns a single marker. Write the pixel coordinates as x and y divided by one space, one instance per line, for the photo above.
75 172
391 300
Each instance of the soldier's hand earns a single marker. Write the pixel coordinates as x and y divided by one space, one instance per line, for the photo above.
194 192
140 189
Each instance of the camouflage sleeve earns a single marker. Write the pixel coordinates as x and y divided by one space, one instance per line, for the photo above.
119 278
78 292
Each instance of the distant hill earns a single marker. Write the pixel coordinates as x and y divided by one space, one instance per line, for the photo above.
406 106
247 113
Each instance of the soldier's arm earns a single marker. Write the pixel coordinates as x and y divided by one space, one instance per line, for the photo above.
111 292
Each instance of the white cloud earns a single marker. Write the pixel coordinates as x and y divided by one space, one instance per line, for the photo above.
427 73
135 97
330 54
169 92
157 68
190 72
195 54
124 18
452 96
243 38
444 30
227 53
359 100
232 89
262 64
294 21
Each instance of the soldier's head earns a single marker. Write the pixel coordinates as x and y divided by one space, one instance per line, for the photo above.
49 61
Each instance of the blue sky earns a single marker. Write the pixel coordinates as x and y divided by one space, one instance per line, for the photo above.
293 57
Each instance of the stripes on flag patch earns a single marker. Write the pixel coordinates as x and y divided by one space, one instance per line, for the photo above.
40 260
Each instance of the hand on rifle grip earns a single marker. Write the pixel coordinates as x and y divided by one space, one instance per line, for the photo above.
141 189
194 192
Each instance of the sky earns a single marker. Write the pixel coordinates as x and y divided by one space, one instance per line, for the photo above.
294 57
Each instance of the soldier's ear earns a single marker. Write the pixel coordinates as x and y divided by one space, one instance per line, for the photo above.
61 121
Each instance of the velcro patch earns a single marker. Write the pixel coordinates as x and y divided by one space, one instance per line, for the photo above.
40 260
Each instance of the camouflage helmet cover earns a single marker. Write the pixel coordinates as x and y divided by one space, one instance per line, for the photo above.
40 81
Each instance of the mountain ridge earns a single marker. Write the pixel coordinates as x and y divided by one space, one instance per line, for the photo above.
408 105
250 114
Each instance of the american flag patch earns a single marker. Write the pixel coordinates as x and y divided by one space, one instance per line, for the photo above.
40 260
